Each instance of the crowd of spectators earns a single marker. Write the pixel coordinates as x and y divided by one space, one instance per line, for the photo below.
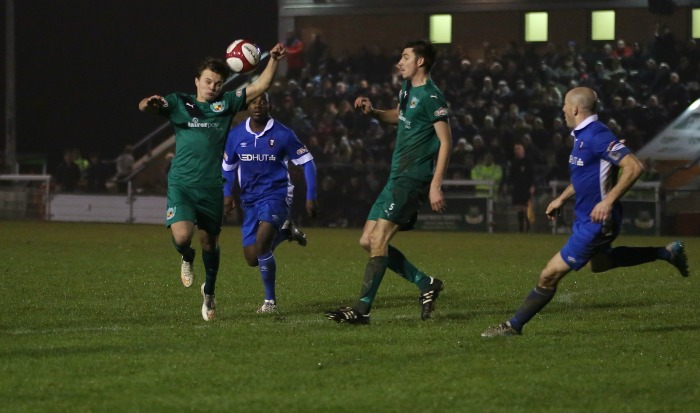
512 94
509 94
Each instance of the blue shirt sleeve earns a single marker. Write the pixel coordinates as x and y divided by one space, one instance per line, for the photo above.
310 177
609 148
229 165
229 180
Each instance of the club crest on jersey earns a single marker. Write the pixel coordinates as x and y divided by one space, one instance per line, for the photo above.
414 103
272 143
217 107
170 213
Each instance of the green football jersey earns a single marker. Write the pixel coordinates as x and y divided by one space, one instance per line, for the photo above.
417 143
201 129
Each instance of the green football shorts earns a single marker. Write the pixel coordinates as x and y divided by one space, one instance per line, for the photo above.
202 206
400 201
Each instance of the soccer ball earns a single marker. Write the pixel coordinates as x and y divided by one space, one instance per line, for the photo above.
242 56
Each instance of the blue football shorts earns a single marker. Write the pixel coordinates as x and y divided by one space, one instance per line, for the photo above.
587 239
274 211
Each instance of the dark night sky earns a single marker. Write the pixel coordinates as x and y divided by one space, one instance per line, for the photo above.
82 66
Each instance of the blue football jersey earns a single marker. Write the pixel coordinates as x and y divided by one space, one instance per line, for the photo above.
261 160
593 163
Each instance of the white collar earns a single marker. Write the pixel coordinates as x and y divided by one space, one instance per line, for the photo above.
270 123
586 122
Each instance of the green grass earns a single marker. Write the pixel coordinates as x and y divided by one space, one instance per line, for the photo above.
94 318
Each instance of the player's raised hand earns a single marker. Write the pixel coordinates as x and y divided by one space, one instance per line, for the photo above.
278 51
364 105
156 102
152 104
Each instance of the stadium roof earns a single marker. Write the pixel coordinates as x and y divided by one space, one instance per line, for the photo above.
291 8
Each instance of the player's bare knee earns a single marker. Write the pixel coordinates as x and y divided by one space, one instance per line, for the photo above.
181 240
548 280
209 244
209 248
364 243
376 242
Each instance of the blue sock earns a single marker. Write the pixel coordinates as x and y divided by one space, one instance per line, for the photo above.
631 256
535 301
211 267
268 269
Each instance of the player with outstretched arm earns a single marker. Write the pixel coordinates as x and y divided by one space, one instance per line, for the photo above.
419 162
195 198
595 160
256 156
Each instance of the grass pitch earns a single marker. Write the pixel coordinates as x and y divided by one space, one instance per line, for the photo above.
95 318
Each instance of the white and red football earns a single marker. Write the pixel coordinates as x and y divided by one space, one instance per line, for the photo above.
242 56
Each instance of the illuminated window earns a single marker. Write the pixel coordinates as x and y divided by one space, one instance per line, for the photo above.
536 27
696 24
603 25
441 28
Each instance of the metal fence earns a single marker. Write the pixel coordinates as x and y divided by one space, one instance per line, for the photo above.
649 208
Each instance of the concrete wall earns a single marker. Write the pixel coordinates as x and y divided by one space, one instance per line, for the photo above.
107 208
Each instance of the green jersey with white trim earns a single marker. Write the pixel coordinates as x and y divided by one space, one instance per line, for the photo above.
417 143
201 129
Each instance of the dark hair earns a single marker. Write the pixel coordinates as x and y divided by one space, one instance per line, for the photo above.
216 65
424 49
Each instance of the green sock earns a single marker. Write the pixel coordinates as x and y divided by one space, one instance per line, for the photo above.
211 267
398 263
185 250
374 272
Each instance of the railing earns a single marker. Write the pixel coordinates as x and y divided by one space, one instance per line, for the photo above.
643 208
28 197
649 209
